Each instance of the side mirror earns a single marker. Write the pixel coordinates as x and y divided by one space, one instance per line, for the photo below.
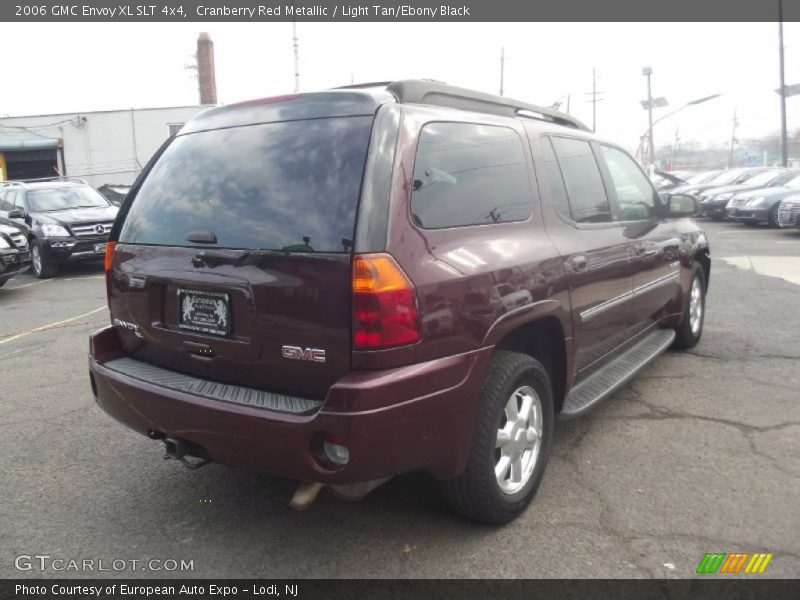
16 214
681 205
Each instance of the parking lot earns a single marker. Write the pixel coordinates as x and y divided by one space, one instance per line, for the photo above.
699 453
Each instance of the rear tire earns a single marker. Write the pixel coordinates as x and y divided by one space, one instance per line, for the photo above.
39 266
511 443
688 333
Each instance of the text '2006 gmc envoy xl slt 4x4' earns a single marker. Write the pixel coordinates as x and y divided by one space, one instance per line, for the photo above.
337 287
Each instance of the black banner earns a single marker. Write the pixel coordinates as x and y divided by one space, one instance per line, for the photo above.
226 589
400 11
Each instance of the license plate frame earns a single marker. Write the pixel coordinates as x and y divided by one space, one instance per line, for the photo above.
204 311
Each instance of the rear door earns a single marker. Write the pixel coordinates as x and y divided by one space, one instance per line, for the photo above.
593 246
233 261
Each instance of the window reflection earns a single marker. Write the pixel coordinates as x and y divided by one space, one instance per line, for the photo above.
292 186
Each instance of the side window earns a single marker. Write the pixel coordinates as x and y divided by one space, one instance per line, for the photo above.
635 194
558 190
19 203
467 174
3 205
587 196
8 204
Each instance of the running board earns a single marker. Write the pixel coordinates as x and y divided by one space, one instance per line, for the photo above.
613 375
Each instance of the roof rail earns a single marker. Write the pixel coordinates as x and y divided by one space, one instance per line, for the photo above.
421 91
43 179
359 86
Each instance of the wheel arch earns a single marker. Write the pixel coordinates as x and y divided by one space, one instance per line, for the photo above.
544 339
703 257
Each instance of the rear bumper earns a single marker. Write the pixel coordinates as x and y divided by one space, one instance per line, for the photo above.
419 417
13 262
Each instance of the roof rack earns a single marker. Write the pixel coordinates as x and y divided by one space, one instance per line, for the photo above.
420 91
44 179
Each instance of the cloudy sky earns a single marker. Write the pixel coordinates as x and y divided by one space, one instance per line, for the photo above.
82 67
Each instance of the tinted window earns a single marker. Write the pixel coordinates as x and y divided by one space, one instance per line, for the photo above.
587 197
292 186
558 191
635 195
467 174
64 197
6 201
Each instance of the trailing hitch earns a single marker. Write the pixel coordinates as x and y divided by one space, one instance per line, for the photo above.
179 449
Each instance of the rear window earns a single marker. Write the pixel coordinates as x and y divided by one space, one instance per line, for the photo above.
290 186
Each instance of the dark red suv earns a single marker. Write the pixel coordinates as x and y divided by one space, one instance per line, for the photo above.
337 287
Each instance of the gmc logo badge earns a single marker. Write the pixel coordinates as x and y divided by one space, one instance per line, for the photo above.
298 353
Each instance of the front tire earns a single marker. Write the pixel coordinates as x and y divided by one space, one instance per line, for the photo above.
772 218
39 266
688 333
511 443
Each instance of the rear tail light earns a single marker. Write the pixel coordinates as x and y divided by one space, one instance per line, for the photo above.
107 266
384 304
109 255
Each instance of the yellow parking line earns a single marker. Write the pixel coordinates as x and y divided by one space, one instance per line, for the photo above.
51 325
18 287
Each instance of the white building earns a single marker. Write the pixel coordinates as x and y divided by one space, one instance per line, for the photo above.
101 147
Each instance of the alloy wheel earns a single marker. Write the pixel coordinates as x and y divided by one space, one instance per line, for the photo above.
696 306
36 259
519 438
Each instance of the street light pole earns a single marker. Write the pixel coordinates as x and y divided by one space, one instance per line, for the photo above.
502 67
784 149
647 71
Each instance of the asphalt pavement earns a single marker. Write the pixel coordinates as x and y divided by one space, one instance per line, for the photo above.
699 453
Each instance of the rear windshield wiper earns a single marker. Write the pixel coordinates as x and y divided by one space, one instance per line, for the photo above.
213 258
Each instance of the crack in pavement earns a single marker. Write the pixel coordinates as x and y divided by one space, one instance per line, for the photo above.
659 413
741 358
605 527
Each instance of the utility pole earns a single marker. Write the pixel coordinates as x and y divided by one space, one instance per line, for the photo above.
296 54
595 99
647 72
784 148
502 67
733 139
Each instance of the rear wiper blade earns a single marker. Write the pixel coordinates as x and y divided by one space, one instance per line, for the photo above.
213 258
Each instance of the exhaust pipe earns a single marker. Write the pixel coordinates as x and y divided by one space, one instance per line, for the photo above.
305 495
308 491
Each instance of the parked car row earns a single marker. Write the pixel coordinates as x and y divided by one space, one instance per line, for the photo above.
51 222
752 196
